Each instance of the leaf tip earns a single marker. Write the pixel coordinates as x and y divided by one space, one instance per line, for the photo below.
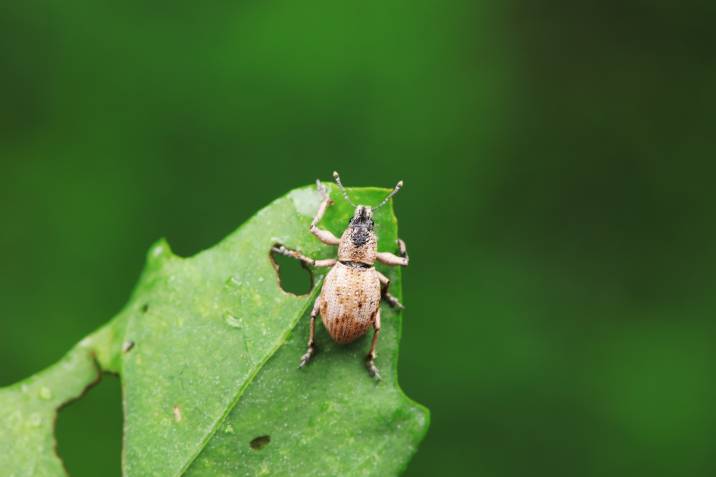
159 251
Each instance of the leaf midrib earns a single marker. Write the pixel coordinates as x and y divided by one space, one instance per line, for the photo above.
254 371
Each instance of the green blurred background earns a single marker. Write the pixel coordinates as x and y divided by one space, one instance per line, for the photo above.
558 208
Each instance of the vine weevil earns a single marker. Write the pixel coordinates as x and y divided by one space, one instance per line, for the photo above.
349 302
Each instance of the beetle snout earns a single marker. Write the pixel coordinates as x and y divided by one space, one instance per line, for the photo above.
362 213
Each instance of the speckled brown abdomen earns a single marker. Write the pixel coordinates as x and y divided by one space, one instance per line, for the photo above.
349 299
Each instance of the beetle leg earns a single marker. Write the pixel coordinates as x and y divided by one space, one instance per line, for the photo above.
391 259
311 335
326 262
370 359
402 251
384 284
323 235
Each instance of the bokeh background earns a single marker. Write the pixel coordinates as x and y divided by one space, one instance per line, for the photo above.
558 208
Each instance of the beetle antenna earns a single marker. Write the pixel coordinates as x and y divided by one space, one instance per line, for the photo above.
343 190
393 192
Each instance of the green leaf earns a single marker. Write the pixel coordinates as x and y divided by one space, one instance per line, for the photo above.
210 382
28 409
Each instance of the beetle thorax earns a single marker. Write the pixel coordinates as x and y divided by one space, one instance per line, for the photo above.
357 246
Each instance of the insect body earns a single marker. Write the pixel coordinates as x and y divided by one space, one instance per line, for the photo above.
349 303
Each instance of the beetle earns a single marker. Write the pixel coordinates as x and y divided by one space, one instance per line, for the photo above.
349 302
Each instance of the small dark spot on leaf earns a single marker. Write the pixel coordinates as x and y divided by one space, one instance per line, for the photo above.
145 308
127 345
258 443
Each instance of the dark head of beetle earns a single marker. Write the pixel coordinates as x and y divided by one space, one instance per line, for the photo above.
359 244
361 225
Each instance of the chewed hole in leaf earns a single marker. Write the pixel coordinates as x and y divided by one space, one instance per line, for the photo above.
89 430
258 443
293 276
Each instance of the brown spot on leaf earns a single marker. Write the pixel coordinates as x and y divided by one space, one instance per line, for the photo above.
258 443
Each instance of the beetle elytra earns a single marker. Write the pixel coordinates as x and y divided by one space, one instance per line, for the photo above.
349 302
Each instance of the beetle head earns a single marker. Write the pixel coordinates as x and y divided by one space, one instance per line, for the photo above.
360 227
362 218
